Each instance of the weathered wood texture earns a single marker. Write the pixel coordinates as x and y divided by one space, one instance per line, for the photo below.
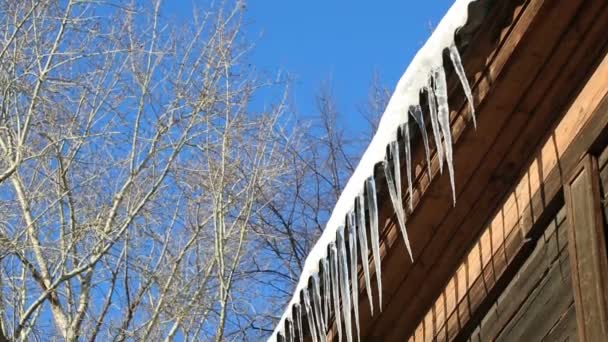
538 302
587 242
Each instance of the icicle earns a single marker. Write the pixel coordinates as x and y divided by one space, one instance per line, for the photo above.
434 122
326 291
298 309
457 62
391 165
354 279
441 93
335 287
309 315
372 207
344 283
405 128
396 165
291 330
316 305
416 112
363 248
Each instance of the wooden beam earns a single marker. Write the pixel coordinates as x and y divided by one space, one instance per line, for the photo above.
587 244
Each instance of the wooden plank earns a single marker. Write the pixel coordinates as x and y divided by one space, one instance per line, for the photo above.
547 250
475 295
542 259
518 299
587 242
602 160
604 181
544 306
565 329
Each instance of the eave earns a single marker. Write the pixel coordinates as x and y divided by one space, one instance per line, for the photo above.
527 60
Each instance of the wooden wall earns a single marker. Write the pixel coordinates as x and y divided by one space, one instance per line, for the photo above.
538 303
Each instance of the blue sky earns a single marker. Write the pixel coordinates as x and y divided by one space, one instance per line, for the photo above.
341 41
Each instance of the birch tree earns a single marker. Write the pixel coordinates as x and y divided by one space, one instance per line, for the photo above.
131 163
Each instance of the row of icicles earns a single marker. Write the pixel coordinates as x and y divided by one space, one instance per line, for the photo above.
331 287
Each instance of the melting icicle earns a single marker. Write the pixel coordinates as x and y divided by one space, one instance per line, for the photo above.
290 330
326 291
335 284
309 315
354 279
363 247
435 122
405 128
443 111
457 62
344 283
416 112
396 169
391 165
316 305
298 308
372 207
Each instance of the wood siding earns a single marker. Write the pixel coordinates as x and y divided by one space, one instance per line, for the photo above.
538 303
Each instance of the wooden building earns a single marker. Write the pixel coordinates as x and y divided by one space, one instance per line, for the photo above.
521 256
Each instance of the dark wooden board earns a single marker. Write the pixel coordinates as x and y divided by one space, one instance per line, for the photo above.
544 307
538 296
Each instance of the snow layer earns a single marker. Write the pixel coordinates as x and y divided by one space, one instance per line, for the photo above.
427 61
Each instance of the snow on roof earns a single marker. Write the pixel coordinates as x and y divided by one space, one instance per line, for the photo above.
424 72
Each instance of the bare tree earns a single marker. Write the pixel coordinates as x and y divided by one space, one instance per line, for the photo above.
141 195
131 164
377 100
322 158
